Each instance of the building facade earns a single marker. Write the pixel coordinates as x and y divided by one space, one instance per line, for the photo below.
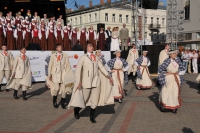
190 34
149 20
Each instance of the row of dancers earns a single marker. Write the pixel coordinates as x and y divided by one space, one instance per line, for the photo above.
93 84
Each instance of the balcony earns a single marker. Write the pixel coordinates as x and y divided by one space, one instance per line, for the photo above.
154 27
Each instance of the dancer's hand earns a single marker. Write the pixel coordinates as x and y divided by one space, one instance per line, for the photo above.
138 67
111 80
50 78
79 86
112 71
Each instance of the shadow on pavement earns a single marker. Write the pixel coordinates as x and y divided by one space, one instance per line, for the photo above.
108 109
187 130
194 85
155 99
37 92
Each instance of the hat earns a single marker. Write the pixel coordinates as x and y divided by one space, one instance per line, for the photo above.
74 28
83 27
23 21
59 22
117 51
26 17
68 24
144 51
98 50
65 27
51 26
172 52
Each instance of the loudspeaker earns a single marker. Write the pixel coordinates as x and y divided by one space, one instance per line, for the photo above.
33 46
150 4
77 47
100 25
153 54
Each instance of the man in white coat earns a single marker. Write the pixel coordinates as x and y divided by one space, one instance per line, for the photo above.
163 54
86 90
132 56
21 74
61 76
6 64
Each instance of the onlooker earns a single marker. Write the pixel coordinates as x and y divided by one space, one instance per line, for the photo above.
108 40
124 34
194 61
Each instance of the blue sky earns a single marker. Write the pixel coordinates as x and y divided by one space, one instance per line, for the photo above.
70 3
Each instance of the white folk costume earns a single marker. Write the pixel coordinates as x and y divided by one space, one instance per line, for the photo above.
120 67
171 81
87 75
21 75
162 56
132 56
6 63
62 76
143 77
106 96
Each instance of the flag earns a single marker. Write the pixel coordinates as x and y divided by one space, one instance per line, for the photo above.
76 5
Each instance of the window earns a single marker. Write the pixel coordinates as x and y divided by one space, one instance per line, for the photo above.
90 18
187 9
71 21
120 18
95 17
145 35
106 17
163 21
75 22
145 21
113 17
151 20
188 36
198 35
80 20
127 19
157 21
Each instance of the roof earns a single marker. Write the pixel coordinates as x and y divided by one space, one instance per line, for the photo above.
117 4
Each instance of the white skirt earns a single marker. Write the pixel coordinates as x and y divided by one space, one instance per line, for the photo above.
114 44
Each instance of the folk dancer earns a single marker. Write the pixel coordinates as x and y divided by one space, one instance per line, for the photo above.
59 34
21 74
35 35
171 81
73 37
66 41
143 77
194 62
83 37
132 56
86 90
118 67
101 37
92 37
18 34
106 96
6 59
2 34
51 38
43 37
61 76
10 37
27 36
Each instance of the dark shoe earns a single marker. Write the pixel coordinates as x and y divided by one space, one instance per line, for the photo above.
0 88
92 119
162 109
174 111
76 112
15 94
7 90
24 95
133 79
63 103
55 102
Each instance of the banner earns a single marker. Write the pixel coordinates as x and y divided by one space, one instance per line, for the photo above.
37 61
